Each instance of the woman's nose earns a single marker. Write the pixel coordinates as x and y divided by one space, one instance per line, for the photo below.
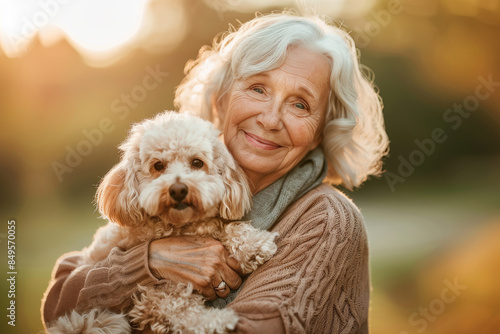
270 118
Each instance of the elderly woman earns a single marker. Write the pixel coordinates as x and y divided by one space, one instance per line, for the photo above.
294 109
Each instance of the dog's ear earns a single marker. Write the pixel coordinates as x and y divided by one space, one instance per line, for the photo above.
116 196
237 198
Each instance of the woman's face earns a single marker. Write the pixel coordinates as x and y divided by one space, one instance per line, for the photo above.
273 119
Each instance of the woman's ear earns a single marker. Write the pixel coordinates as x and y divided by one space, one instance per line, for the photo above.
237 199
116 196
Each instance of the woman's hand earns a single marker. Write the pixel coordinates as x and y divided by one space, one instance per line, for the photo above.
203 261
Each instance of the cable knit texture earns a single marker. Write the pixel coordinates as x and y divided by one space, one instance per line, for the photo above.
107 284
318 281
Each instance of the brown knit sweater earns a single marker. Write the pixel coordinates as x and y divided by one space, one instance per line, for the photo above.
318 281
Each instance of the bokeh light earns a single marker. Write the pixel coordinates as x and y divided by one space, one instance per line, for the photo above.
101 31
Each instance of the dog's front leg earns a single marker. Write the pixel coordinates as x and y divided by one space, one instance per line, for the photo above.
250 246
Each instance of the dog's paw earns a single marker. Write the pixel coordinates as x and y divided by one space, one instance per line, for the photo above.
94 321
250 246
263 249
173 308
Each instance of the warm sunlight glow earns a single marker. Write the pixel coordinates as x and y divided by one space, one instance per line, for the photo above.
99 30
99 25
103 31
337 9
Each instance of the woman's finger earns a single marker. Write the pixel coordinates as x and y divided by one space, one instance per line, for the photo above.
228 275
208 292
234 264
222 289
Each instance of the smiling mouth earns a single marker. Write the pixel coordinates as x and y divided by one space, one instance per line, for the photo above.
261 142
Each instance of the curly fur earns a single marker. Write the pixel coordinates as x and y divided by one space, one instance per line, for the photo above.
175 309
136 197
94 322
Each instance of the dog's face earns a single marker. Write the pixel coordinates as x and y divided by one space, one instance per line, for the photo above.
173 167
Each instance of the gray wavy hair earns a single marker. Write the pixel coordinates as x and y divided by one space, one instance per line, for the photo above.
354 137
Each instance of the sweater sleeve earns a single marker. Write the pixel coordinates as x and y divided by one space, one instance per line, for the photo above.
108 284
318 282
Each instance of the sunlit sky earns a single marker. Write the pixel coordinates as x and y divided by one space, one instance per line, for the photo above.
94 27
101 30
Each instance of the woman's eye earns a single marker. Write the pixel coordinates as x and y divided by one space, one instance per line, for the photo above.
300 105
159 166
258 90
197 163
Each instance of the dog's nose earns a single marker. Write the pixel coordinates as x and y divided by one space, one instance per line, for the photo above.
178 191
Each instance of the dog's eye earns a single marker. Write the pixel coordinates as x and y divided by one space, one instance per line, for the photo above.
159 166
197 163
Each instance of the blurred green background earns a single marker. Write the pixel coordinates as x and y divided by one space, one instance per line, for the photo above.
74 75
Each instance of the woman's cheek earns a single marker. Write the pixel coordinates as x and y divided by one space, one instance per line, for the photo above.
302 130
